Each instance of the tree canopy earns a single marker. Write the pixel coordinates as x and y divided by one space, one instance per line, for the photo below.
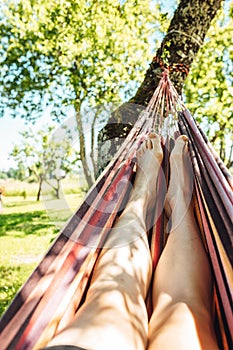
60 54
209 87
69 54
64 55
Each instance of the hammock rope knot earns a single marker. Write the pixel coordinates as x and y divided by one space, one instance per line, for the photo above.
174 67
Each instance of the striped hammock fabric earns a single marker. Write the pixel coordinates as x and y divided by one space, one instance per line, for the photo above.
50 298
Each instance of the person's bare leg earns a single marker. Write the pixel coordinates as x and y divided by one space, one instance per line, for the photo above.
114 315
182 289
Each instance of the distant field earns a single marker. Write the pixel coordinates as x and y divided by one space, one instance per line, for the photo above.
20 188
27 229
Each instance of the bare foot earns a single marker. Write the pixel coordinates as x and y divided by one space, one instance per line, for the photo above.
132 221
180 189
149 159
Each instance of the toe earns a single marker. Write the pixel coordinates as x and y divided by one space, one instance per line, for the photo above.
149 144
156 144
184 137
139 153
180 144
153 135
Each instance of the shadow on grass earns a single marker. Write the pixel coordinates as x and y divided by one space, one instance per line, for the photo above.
11 280
25 223
20 204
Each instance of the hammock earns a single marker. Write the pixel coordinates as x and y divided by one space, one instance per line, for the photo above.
50 298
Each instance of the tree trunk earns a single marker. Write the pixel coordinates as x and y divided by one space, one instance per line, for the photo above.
92 154
57 189
57 186
39 190
230 161
82 148
185 36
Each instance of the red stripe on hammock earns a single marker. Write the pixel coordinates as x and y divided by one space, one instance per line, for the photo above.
216 265
215 189
20 310
42 316
217 174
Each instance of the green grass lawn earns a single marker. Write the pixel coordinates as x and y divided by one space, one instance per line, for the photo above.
27 229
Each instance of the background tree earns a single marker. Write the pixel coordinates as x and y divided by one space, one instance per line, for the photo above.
18 173
62 161
209 87
70 54
48 159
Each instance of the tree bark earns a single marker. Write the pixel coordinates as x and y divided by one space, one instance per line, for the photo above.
39 190
92 154
82 150
185 36
230 161
58 188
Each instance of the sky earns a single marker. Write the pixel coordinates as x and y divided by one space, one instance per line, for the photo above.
10 129
9 135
